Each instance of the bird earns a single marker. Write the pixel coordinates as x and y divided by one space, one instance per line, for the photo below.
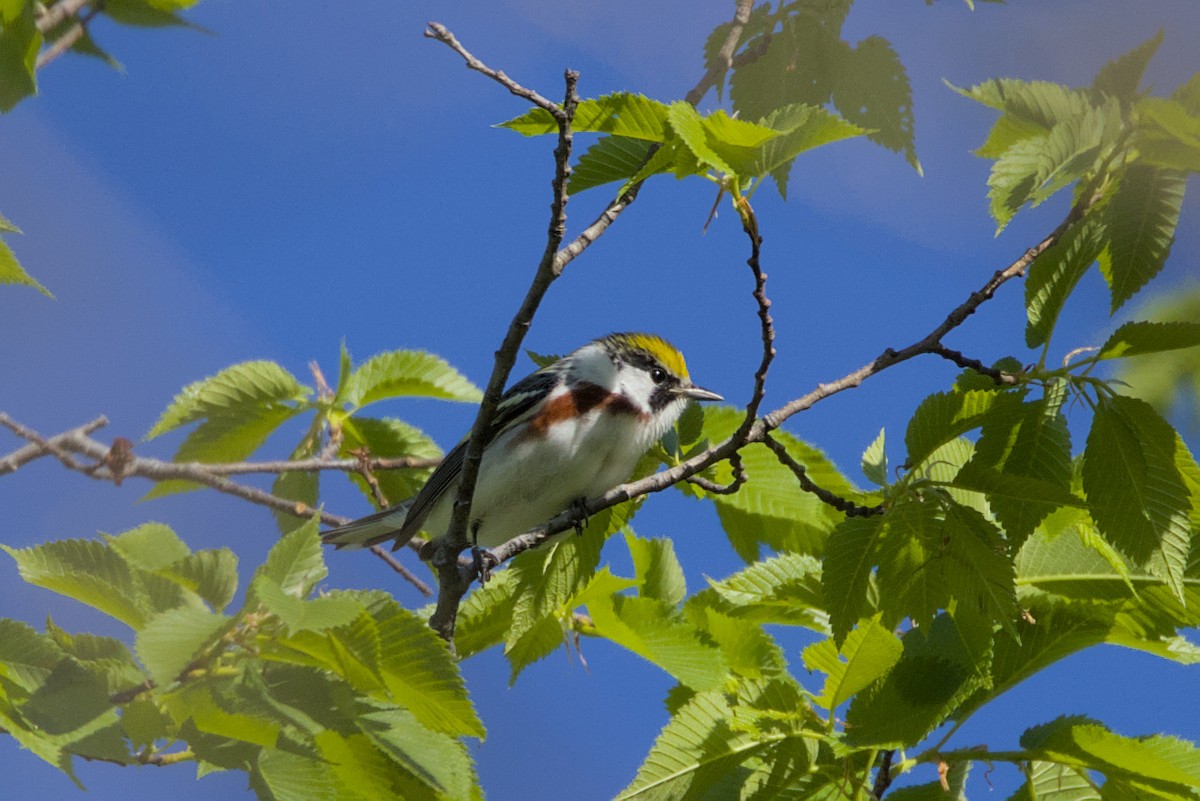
572 430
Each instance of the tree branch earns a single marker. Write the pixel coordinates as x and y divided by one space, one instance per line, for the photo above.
117 462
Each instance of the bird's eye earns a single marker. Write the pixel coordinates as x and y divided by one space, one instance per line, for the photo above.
658 375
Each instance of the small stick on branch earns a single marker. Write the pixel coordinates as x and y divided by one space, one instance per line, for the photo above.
849 508
967 363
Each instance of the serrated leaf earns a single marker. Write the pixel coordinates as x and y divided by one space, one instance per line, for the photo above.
211 574
800 65
300 487
171 640
1047 781
1121 77
874 461
150 546
291 777
485 616
1007 131
612 158
298 615
872 90
1140 220
945 416
1157 761
1054 274
620 114
698 749
146 14
296 563
1168 133
938 669
421 675
658 633
1134 489
850 558
783 589
688 125
11 271
802 128
1137 338
657 569
1041 103
867 654
89 572
26 657
231 392
748 650
400 373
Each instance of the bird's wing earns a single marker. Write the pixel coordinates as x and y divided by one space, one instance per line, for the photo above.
517 404
403 521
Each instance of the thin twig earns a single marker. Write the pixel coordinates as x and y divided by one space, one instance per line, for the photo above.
58 12
445 559
883 778
724 59
847 507
439 32
967 363
740 477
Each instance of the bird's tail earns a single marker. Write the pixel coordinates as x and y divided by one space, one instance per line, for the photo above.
370 530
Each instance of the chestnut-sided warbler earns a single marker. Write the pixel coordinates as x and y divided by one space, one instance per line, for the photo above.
572 430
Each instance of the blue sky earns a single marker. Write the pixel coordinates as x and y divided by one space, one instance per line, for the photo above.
309 176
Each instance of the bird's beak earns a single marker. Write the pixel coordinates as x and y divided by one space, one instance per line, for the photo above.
698 393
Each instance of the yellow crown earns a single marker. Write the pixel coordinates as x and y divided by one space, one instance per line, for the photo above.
660 349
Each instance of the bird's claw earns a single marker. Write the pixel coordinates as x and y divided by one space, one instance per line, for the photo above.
582 515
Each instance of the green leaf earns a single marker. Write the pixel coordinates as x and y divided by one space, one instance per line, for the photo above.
1040 103
867 654
20 41
150 546
1007 131
300 487
687 123
784 589
1054 274
657 569
872 90
1023 464
1158 761
659 633
748 650
1168 133
210 574
1134 489
850 557
945 416
287 776
89 572
1047 781
232 393
172 640
940 667
1121 77
486 614
146 13
389 438
421 675
26 657
874 461
297 614
1034 168
612 158
11 271
295 563
700 749
1136 338
400 373
803 127
1141 220
620 114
